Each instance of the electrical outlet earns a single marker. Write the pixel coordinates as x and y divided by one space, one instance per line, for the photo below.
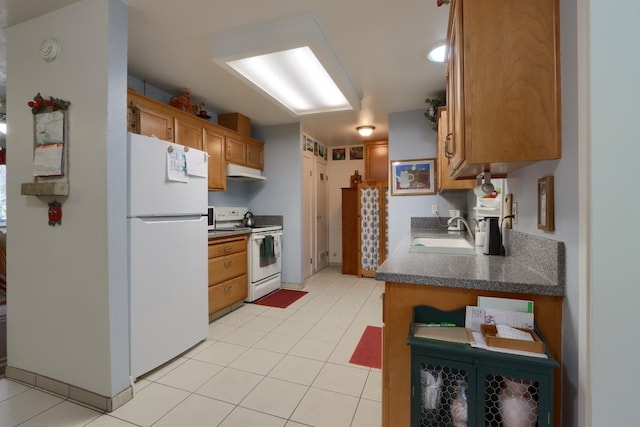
514 212
434 210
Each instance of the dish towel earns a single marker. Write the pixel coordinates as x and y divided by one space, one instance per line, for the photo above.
276 248
267 256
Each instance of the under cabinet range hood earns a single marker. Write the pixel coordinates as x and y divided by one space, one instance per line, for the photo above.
244 173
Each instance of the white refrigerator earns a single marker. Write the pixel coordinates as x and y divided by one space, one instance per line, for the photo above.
167 232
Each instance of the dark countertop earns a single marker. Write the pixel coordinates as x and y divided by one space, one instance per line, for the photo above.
520 272
227 233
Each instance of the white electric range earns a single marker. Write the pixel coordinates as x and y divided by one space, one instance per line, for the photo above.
264 253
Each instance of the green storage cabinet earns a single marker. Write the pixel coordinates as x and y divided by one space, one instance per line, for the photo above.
497 387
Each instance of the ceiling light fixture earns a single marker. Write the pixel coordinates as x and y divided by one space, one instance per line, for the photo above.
365 131
291 62
438 53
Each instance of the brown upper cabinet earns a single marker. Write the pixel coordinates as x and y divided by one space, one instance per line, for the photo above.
170 124
156 119
445 182
376 161
503 85
245 151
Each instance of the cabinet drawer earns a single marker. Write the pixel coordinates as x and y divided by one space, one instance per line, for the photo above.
227 248
225 267
224 294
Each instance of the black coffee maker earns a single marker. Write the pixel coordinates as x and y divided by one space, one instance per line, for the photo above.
493 237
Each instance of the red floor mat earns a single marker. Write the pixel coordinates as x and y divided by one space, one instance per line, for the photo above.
282 298
368 352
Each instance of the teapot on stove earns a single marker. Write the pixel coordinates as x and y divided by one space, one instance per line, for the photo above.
248 220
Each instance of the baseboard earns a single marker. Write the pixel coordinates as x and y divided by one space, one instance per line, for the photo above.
68 391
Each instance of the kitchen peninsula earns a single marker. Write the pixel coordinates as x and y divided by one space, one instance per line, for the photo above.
533 270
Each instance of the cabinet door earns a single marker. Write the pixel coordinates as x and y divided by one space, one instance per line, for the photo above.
156 119
442 392
236 151
255 154
214 146
444 138
509 394
376 161
189 131
226 293
455 89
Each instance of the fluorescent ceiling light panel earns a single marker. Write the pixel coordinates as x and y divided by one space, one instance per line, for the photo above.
296 79
291 62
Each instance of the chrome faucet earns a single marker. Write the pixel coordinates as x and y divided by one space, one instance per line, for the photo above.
466 224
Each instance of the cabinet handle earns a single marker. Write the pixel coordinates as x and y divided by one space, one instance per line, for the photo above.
228 249
227 289
227 263
447 153
168 134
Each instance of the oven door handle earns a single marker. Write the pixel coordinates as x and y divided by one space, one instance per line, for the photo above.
259 238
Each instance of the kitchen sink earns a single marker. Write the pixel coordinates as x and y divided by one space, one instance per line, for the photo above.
444 244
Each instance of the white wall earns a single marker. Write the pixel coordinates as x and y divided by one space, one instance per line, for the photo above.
613 70
339 172
281 193
411 137
68 297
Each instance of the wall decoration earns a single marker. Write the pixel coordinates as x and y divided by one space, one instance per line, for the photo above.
315 147
545 204
308 144
356 153
49 122
55 213
321 150
339 154
413 177
50 150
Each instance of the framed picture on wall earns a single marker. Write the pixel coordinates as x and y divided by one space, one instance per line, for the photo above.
413 177
308 144
338 154
356 153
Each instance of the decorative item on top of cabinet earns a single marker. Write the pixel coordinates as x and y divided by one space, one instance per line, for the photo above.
503 85
376 161
355 179
444 180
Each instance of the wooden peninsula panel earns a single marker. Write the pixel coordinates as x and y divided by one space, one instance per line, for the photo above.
398 303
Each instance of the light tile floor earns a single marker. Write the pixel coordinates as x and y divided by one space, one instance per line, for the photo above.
260 366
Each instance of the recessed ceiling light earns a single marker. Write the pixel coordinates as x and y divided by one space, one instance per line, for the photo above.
438 53
290 61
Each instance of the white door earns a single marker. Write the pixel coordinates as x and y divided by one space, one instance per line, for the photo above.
322 223
308 211
168 289
150 192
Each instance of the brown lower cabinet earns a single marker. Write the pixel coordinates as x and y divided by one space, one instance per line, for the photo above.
228 280
397 310
350 226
